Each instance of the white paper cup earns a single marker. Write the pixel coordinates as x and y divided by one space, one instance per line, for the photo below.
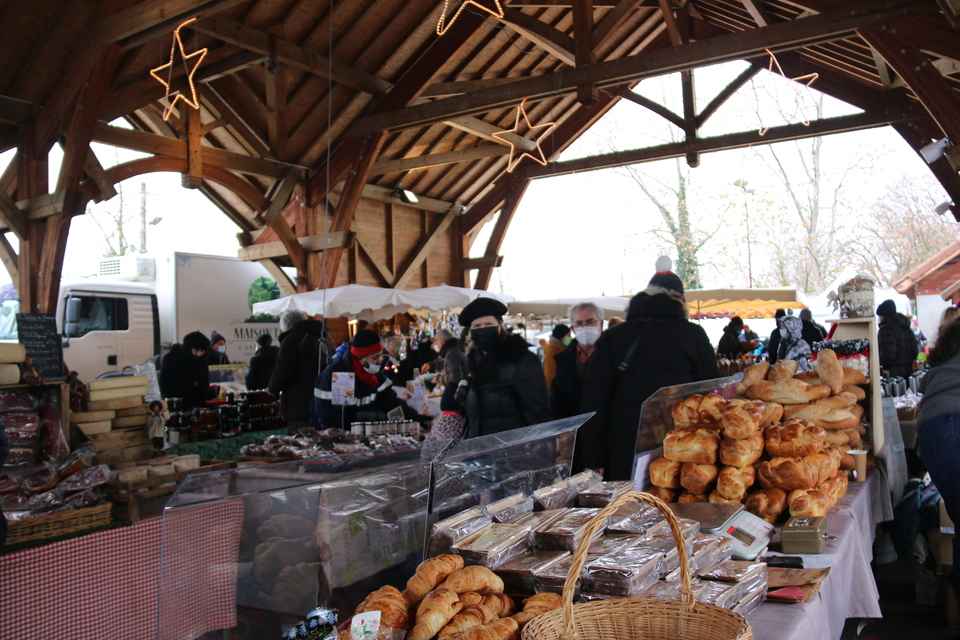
860 464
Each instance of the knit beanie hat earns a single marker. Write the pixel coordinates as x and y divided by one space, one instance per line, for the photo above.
666 278
560 331
215 337
806 314
195 340
264 340
365 343
887 308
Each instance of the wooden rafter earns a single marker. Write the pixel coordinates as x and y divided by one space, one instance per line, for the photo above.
98 176
382 167
583 47
656 107
193 177
781 36
9 258
485 130
608 24
546 37
423 250
12 216
757 11
369 249
725 93
311 243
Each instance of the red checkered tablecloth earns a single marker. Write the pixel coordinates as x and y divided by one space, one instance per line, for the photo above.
108 584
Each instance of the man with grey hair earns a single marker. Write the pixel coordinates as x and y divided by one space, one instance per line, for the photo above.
586 320
301 357
451 361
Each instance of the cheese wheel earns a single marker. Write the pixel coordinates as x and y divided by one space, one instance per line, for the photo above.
113 405
125 392
9 374
90 416
12 352
139 410
161 470
133 474
186 463
93 428
123 382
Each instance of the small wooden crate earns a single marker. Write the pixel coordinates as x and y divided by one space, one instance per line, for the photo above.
132 493
57 524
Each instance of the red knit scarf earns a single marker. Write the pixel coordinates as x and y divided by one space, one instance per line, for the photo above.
369 379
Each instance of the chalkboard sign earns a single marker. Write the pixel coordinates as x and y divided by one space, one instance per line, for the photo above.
38 333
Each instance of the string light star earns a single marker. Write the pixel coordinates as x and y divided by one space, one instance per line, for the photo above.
513 161
806 80
496 12
199 55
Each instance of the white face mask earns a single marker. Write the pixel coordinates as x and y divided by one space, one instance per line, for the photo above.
587 336
783 333
222 348
371 368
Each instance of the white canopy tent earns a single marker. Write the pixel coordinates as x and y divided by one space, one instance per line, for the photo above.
558 307
445 297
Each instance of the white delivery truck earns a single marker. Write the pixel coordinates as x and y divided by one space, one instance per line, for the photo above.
138 306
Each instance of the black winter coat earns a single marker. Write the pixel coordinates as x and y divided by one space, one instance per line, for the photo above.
184 375
507 389
897 344
565 392
730 346
454 362
773 346
671 351
261 367
297 367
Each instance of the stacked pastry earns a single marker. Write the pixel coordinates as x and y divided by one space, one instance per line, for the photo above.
448 601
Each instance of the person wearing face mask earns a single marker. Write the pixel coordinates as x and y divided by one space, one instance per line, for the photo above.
560 337
504 387
587 321
792 345
451 362
217 351
371 388
184 373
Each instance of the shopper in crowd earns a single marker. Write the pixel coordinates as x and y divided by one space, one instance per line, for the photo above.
731 347
792 345
811 327
938 425
452 359
217 351
301 356
656 347
560 337
895 341
184 373
503 387
262 363
586 319
749 335
949 314
614 321
366 385
773 344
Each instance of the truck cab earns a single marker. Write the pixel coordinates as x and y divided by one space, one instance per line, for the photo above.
106 325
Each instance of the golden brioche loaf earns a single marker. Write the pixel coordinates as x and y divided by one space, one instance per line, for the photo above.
698 446
665 473
741 418
766 503
794 438
752 375
733 482
741 453
698 478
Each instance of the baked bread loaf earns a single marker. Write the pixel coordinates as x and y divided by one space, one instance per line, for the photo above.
852 376
835 487
741 453
827 462
829 418
665 473
810 377
790 391
783 370
716 497
686 496
830 370
698 478
667 495
711 407
474 578
809 504
794 438
392 606
734 482
846 460
429 574
434 613
472 615
698 446
789 474
686 411
840 401
500 603
773 413
296 588
752 375
767 504
849 437
858 392
741 418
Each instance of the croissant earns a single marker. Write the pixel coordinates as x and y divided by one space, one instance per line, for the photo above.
698 478
741 453
767 504
698 446
429 574
741 418
545 600
296 588
482 632
667 495
783 370
711 407
393 607
435 611
470 597
524 617
665 473
830 370
475 578
470 616
789 391
501 604
733 482
794 438
752 375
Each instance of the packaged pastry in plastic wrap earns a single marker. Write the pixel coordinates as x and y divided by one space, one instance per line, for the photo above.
586 480
45 502
13 501
637 518
553 577
749 603
750 575
510 508
565 533
721 594
493 545
555 496
538 521
623 573
454 529
666 545
518 573
670 590
611 544
600 495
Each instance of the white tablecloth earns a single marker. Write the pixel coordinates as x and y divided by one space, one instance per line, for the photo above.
850 590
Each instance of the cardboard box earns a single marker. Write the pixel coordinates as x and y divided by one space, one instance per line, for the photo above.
951 610
945 521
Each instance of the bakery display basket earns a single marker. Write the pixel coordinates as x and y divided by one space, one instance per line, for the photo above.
639 619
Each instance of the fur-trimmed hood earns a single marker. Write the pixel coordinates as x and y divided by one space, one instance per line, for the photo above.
658 303
511 350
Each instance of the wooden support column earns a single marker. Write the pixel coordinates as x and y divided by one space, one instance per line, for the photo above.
193 178
689 92
276 97
423 250
31 180
587 94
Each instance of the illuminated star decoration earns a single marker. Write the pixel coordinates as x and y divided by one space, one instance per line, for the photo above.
512 162
806 80
200 55
496 11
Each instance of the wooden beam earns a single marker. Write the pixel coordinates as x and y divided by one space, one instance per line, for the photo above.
487 205
727 92
945 66
149 14
423 250
672 29
446 89
98 175
552 4
603 29
549 39
283 280
12 217
383 167
824 27
366 244
304 59
757 11
480 263
9 259
193 178
275 88
161 145
13 111
277 249
485 130
797 131
214 125
282 192
587 94
656 107
385 195
39 207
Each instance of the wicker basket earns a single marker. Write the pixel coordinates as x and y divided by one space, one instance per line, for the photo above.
642 619
58 524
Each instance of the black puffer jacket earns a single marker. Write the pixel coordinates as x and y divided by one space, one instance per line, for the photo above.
298 364
566 389
507 389
184 375
897 344
671 350
730 346
261 367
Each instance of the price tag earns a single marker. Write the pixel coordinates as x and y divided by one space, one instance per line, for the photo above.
365 625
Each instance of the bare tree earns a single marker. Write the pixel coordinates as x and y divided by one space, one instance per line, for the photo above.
118 221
